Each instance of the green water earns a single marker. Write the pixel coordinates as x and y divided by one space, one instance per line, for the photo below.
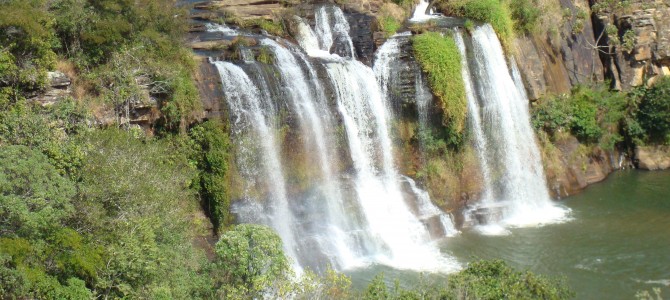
617 243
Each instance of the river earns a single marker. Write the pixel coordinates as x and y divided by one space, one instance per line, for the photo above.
617 243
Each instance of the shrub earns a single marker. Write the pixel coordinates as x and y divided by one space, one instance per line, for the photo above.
526 14
440 59
27 43
212 143
272 27
496 280
252 262
389 19
654 112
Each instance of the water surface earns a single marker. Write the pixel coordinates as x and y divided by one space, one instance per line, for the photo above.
617 243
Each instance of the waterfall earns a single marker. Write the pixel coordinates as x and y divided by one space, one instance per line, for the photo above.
385 69
420 12
252 112
332 29
355 208
516 190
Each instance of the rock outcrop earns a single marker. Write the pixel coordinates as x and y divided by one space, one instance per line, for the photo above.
554 61
570 166
58 87
244 9
639 49
652 157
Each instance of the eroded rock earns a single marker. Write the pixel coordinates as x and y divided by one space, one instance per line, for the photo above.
653 157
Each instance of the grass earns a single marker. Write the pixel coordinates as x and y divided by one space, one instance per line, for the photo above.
388 25
440 59
495 12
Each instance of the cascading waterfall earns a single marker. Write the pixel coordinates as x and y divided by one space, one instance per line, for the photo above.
252 112
420 14
346 217
516 192
385 72
474 117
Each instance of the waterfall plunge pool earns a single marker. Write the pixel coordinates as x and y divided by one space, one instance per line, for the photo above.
618 242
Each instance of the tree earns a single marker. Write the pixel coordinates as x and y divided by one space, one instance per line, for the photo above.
34 197
654 112
496 280
135 198
251 263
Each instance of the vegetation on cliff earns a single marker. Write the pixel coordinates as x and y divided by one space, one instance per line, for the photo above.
597 115
114 50
440 59
495 12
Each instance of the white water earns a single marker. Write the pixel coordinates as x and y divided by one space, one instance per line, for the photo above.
220 28
516 190
251 110
420 12
401 238
332 28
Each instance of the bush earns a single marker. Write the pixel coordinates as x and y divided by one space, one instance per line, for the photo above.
389 18
526 15
27 43
592 114
441 61
480 280
654 112
388 25
252 263
496 280
212 155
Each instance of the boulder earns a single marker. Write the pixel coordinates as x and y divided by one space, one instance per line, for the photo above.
653 157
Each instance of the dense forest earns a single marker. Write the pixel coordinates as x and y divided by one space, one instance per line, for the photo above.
95 207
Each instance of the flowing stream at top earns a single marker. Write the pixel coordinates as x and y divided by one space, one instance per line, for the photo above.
515 187
314 148
421 12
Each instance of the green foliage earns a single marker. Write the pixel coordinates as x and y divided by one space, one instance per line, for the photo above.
526 15
251 262
389 25
46 129
654 112
34 197
469 25
440 59
272 27
480 280
265 56
27 43
134 196
495 12
212 155
496 280
377 289
593 115
39 256
629 41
